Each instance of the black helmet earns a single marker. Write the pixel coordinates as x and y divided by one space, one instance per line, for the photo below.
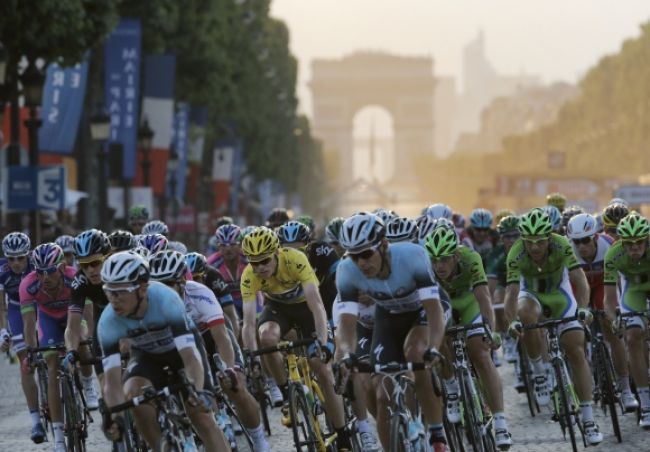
89 242
277 217
121 240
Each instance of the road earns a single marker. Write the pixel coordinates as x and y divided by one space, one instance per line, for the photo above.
538 434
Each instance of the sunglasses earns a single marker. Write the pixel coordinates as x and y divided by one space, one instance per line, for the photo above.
441 259
121 291
47 271
535 241
92 264
583 241
16 258
365 255
633 242
266 261
225 245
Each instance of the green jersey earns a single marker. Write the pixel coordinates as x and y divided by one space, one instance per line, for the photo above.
617 260
548 276
496 265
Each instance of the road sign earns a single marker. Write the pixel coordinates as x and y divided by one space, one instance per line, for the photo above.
36 188
634 194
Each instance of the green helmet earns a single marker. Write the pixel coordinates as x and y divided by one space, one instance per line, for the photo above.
509 223
138 213
441 242
535 222
333 230
308 221
633 226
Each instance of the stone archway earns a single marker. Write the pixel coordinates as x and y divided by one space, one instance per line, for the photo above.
404 86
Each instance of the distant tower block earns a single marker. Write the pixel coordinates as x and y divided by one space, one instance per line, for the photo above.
404 86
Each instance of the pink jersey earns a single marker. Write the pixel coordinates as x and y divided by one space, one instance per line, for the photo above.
33 296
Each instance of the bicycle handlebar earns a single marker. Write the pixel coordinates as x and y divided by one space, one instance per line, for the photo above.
281 347
362 367
550 323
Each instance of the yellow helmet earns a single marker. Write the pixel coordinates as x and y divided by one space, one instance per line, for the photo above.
556 199
501 214
260 244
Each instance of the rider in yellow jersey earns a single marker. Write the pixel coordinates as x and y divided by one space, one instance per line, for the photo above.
290 288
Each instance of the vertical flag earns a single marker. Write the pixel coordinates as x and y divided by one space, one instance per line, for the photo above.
237 163
158 108
122 90
222 173
181 144
63 98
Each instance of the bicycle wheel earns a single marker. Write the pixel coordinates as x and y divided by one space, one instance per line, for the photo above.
304 434
564 405
472 414
399 434
526 376
247 440
44 410
609 400
72 416
454 434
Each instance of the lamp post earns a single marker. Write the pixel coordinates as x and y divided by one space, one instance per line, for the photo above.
32 80
100 129
145 137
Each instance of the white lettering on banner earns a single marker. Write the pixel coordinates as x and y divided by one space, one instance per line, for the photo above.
56 95
50 190
53 115
75 80
58 78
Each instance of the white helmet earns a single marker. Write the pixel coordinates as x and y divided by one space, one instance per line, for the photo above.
155 227
361 231
177 246
581 226
439 210
401 229
142 251
167 265
426 225
618 201
125 267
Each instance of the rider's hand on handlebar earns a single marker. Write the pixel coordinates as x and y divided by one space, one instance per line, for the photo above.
495 340
113 427
432 356
515 328
585 315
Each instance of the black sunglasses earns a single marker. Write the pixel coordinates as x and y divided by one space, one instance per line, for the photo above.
365 255
266 261
582 241
16 258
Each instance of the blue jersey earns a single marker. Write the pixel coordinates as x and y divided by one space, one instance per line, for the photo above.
164 327
410 281
10 281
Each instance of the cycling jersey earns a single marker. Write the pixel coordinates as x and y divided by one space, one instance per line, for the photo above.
495 267
220 288
484 248
292 274
635 277
202 306
164 328
324 261
366 314
595 270
83 290
9 284
32 296
410 281
217 261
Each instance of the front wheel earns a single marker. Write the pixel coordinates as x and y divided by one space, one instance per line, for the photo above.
399 436
72 416
304 436
563 404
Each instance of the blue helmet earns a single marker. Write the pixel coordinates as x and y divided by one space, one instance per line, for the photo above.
154 242
228 234
66 242
46 256
91 241
439 210
555 215
196 263
480 219
294 231
16 244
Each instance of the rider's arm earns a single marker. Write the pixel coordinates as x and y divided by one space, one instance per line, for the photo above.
435 321
510 301
315 305
28 311
73 331
580 286
89 316
3 310
222 341
512 279
112 390
191 362
230 312
482 294
249 286
346 314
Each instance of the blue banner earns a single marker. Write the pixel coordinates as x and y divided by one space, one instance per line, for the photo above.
36 188
63 99
237 163
122 84
181 145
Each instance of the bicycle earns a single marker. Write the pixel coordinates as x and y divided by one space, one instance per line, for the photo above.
605 390
40 367
566 407
475 413
258 387
306 399
526 374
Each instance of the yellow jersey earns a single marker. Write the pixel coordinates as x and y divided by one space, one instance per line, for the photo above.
287 284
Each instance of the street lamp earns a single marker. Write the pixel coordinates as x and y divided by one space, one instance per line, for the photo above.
145 138
100 129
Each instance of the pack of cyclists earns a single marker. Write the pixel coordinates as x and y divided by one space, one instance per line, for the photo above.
373 288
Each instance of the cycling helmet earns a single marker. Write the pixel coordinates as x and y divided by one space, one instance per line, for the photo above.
459 220
439 210
125 267
196 263
569 213
175 245
633 226
556 199
442 242
333 230
426 225
228 234
619 201
155 227
480 219
245 231
16 244
385 215
121 240
502 214
443 223
401 229
154 242
167 265
140 213
223 220
613 214
308 221
581 226
555 216
46 256
535 222
361 231
66 242
260 244
90 242
508 224
599 222
293 231
141 251
277 217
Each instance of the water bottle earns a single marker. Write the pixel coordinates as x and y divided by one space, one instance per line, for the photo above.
310 397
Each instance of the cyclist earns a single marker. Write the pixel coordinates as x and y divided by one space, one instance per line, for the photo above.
229 262
480 236
277 217
45 293
501 214
155 227
138 217
66 243
308 221
439 210
402 229
169 268
385 215
612 215
291 296
569 213
628 258
91 248
556 200
332 231
409 318
555 216
121 240
459 271
542 267
13 269
154 242
152 317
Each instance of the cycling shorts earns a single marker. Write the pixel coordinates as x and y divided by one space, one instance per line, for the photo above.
289 316
15 321
390 332
634 298
50 330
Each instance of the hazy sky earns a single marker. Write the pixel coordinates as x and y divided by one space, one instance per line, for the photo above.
557 39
